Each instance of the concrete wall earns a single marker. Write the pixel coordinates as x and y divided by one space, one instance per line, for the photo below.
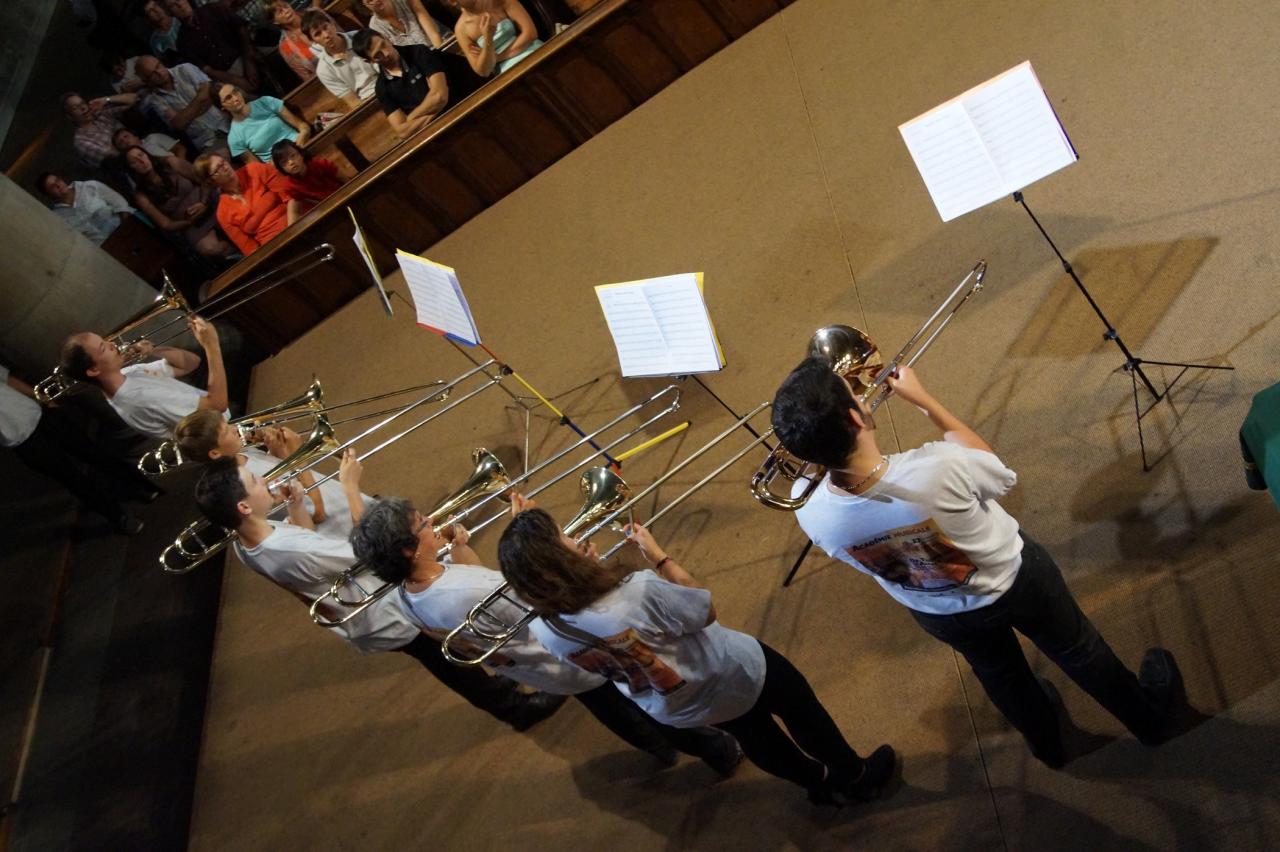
54 282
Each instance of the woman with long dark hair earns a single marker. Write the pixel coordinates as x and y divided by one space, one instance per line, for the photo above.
655 634
167 191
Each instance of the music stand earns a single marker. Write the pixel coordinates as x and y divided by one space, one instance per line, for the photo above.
994 140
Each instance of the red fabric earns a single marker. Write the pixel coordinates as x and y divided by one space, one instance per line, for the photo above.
261 214
320 181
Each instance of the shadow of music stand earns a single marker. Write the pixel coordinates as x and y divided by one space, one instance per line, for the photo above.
994 140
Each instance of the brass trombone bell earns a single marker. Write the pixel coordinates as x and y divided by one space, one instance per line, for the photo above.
603 491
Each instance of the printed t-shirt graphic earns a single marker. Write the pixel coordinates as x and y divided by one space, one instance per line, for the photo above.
917 556
623 657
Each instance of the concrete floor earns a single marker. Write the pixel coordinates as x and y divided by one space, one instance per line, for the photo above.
776 168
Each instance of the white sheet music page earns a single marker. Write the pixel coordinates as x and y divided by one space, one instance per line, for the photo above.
660 326
987 143
438 299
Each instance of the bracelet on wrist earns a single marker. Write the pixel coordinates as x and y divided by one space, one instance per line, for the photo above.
663 561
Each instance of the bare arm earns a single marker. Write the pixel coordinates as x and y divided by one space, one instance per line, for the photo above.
182 167
20 386
164 223
665 566
427 23
528 32
352 100
349 472
297 507
193 110
461 552
304 129
437 96
216 397
182 361
482 59
292 211
954 430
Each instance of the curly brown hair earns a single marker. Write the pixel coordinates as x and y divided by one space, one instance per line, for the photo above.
549 576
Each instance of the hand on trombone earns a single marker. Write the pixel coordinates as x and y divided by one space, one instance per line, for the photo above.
281 441
521 503
294 495
905 384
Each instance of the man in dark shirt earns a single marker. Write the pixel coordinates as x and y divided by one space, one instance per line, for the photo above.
216 40
415 82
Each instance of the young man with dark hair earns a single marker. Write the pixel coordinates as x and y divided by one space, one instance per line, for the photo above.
345 74
305 563
415 83
926 525
147 395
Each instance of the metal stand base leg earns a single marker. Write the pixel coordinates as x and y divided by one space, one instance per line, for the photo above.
791 575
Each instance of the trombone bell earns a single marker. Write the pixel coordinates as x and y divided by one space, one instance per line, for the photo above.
604 491
489 477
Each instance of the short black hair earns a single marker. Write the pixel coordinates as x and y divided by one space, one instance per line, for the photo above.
313 18
218 492
360 42
385 531
811 414
74 359
282 147
42 180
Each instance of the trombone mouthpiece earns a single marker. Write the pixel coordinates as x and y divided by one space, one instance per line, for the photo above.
327 251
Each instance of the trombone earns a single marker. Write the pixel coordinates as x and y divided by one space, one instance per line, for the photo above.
608 497
853 355
309 403
193 546
171 299
356 607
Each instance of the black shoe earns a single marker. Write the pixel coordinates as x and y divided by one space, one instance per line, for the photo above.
723 754
877 770
668 755
127 524
534 709
1161 679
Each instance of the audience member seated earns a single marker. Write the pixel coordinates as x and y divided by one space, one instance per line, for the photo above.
164 29
182 98
415 83
155 144
308 180
494 35
251 205
257 125
216 39
295 46
91 207
346 75
170 194
124 79
404 22
95 121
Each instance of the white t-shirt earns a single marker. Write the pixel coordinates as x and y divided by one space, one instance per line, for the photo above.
19 413
307 563
444 605
337 511
152 401
349 74
930 531
658 649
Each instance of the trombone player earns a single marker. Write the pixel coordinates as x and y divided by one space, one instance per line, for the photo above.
149 396
301 561
926 524
400 545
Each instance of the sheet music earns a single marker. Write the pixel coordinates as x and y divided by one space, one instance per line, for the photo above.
660 326
989 142
437 296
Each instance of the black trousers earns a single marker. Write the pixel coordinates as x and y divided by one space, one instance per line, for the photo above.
494 695
815 741
637 728
58 448
1040 606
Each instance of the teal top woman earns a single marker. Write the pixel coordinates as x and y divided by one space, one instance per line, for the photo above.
494 34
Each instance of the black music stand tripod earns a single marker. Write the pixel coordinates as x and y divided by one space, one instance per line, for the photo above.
1132 363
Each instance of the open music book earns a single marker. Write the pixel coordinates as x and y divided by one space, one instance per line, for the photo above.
987 143
362 246
660 326
438 299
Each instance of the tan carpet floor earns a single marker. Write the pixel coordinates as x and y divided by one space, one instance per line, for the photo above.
776 168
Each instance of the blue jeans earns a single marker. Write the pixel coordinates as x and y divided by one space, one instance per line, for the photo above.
1040 606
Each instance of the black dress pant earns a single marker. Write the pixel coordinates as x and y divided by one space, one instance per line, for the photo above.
1040 606
815 741
637 728
494 695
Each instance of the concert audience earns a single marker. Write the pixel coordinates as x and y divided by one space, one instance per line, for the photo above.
258 124
294 46
251 205
217 41
655 634
182 98
494 34
95 121
346 75
155 144
308 180
168 192
404 22
124 78
415 83
89 206
164 29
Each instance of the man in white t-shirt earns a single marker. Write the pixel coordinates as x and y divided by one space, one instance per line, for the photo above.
399 545
346 75
305 563
203 436
48 441
148 395
926 525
